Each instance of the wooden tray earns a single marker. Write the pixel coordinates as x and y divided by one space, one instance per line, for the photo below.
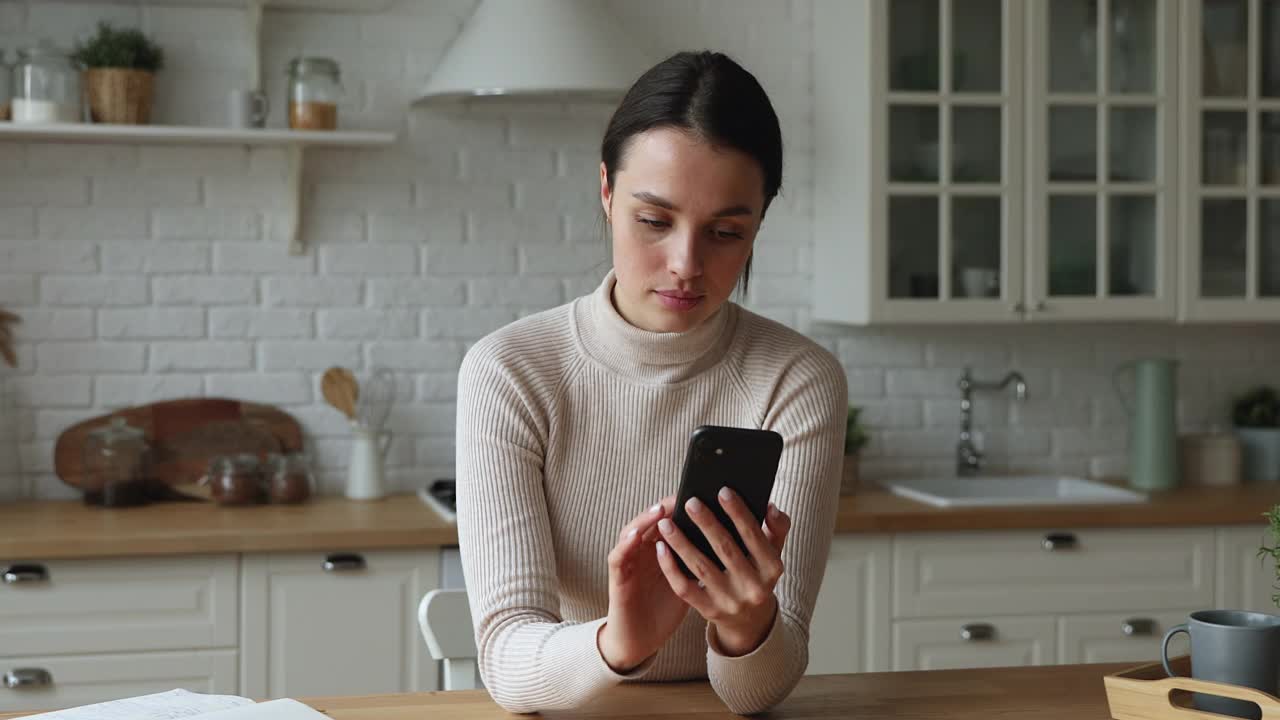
1145 692
184 435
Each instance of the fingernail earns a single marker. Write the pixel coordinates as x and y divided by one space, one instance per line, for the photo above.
726 493
631 534
694 505
656 508
773 510
665 526
662 548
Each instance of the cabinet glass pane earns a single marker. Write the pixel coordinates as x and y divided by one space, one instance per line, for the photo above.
978 43
1073 232
913 143
975 239
1225 43
1132 259
1270 50
1073 144
913 247
1224 159
1133 46
914 39
1269 162
1133 144
1073 46
1223 222
1269 248
975 149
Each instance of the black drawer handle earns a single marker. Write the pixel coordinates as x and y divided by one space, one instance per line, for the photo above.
344 562
1060 541
29 573
27 678
974 632
1138 627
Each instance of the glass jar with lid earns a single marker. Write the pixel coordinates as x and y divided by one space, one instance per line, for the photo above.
46 86
315 88
291 480
235 479
115 465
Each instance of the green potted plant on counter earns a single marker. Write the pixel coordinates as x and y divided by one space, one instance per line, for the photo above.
1273 519
1256 416
855 437
119 75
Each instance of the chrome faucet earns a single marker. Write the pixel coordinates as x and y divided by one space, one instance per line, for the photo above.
968 457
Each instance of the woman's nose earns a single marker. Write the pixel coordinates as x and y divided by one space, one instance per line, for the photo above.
684 256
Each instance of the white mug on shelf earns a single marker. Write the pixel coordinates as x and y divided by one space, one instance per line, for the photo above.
247 108
364 474
979 282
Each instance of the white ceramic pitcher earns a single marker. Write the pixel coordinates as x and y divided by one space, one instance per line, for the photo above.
364 474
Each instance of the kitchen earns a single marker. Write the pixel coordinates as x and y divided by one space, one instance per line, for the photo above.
144 270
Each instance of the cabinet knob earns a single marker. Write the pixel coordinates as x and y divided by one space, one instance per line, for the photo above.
1018 308
29 573
1040 306
1059 541
343 562
1138 627
974 632
27 678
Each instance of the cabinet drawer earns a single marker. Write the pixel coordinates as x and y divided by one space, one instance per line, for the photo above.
1119 637
993 642
80 680
1008 573
90 606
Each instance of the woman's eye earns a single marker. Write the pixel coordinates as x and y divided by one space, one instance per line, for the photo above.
729 234
656 224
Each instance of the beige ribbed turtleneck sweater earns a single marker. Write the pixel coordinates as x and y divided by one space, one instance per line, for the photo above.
570 423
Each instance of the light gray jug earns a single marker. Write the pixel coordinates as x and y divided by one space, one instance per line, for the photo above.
1153 435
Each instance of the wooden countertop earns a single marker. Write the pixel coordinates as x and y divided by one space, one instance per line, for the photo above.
1063 692
43 530
881 511
46 530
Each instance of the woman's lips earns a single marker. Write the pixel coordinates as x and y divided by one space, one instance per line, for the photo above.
679 301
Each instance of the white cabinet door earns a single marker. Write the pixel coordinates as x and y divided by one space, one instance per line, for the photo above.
1245 581
118 605
81 680
1119 637
347 630
949 574
849 632
974 642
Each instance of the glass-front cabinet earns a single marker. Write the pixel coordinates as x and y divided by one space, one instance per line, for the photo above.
1231 203
1102 199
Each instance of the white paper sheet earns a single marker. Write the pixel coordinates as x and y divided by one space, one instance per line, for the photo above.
159 706
284 709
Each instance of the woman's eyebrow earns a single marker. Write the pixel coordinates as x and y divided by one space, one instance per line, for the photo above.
652 199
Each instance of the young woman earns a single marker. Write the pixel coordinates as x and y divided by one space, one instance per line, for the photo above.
573 424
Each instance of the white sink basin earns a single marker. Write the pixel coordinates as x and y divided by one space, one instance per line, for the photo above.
1010 490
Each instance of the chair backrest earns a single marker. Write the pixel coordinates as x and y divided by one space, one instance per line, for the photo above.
445 620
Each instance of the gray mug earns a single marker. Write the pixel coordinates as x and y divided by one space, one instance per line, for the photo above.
1234 647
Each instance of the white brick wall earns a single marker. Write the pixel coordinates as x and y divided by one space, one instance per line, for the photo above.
154 272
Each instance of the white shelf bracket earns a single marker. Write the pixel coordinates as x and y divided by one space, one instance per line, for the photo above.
294 217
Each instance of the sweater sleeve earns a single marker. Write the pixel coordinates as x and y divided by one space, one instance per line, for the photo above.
529 658
808 408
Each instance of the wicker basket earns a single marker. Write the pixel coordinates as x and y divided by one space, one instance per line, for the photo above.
119 96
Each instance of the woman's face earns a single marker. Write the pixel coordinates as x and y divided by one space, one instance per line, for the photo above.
684 216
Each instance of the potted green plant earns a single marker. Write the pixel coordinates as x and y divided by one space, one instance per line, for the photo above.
1273 519
855 437
119 74
1256 415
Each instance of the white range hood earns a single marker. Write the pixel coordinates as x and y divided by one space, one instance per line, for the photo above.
538 49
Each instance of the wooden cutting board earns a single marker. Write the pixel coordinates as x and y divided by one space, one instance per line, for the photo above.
183 436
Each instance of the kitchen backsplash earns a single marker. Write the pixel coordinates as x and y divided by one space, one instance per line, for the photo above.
145 272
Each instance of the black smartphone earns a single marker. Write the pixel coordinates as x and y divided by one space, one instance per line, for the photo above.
743 459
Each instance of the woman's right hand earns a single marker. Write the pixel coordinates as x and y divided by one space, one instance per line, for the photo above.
643 611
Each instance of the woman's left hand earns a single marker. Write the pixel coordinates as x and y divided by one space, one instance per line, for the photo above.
739 600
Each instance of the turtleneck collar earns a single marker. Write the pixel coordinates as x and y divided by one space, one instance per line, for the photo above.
651 357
